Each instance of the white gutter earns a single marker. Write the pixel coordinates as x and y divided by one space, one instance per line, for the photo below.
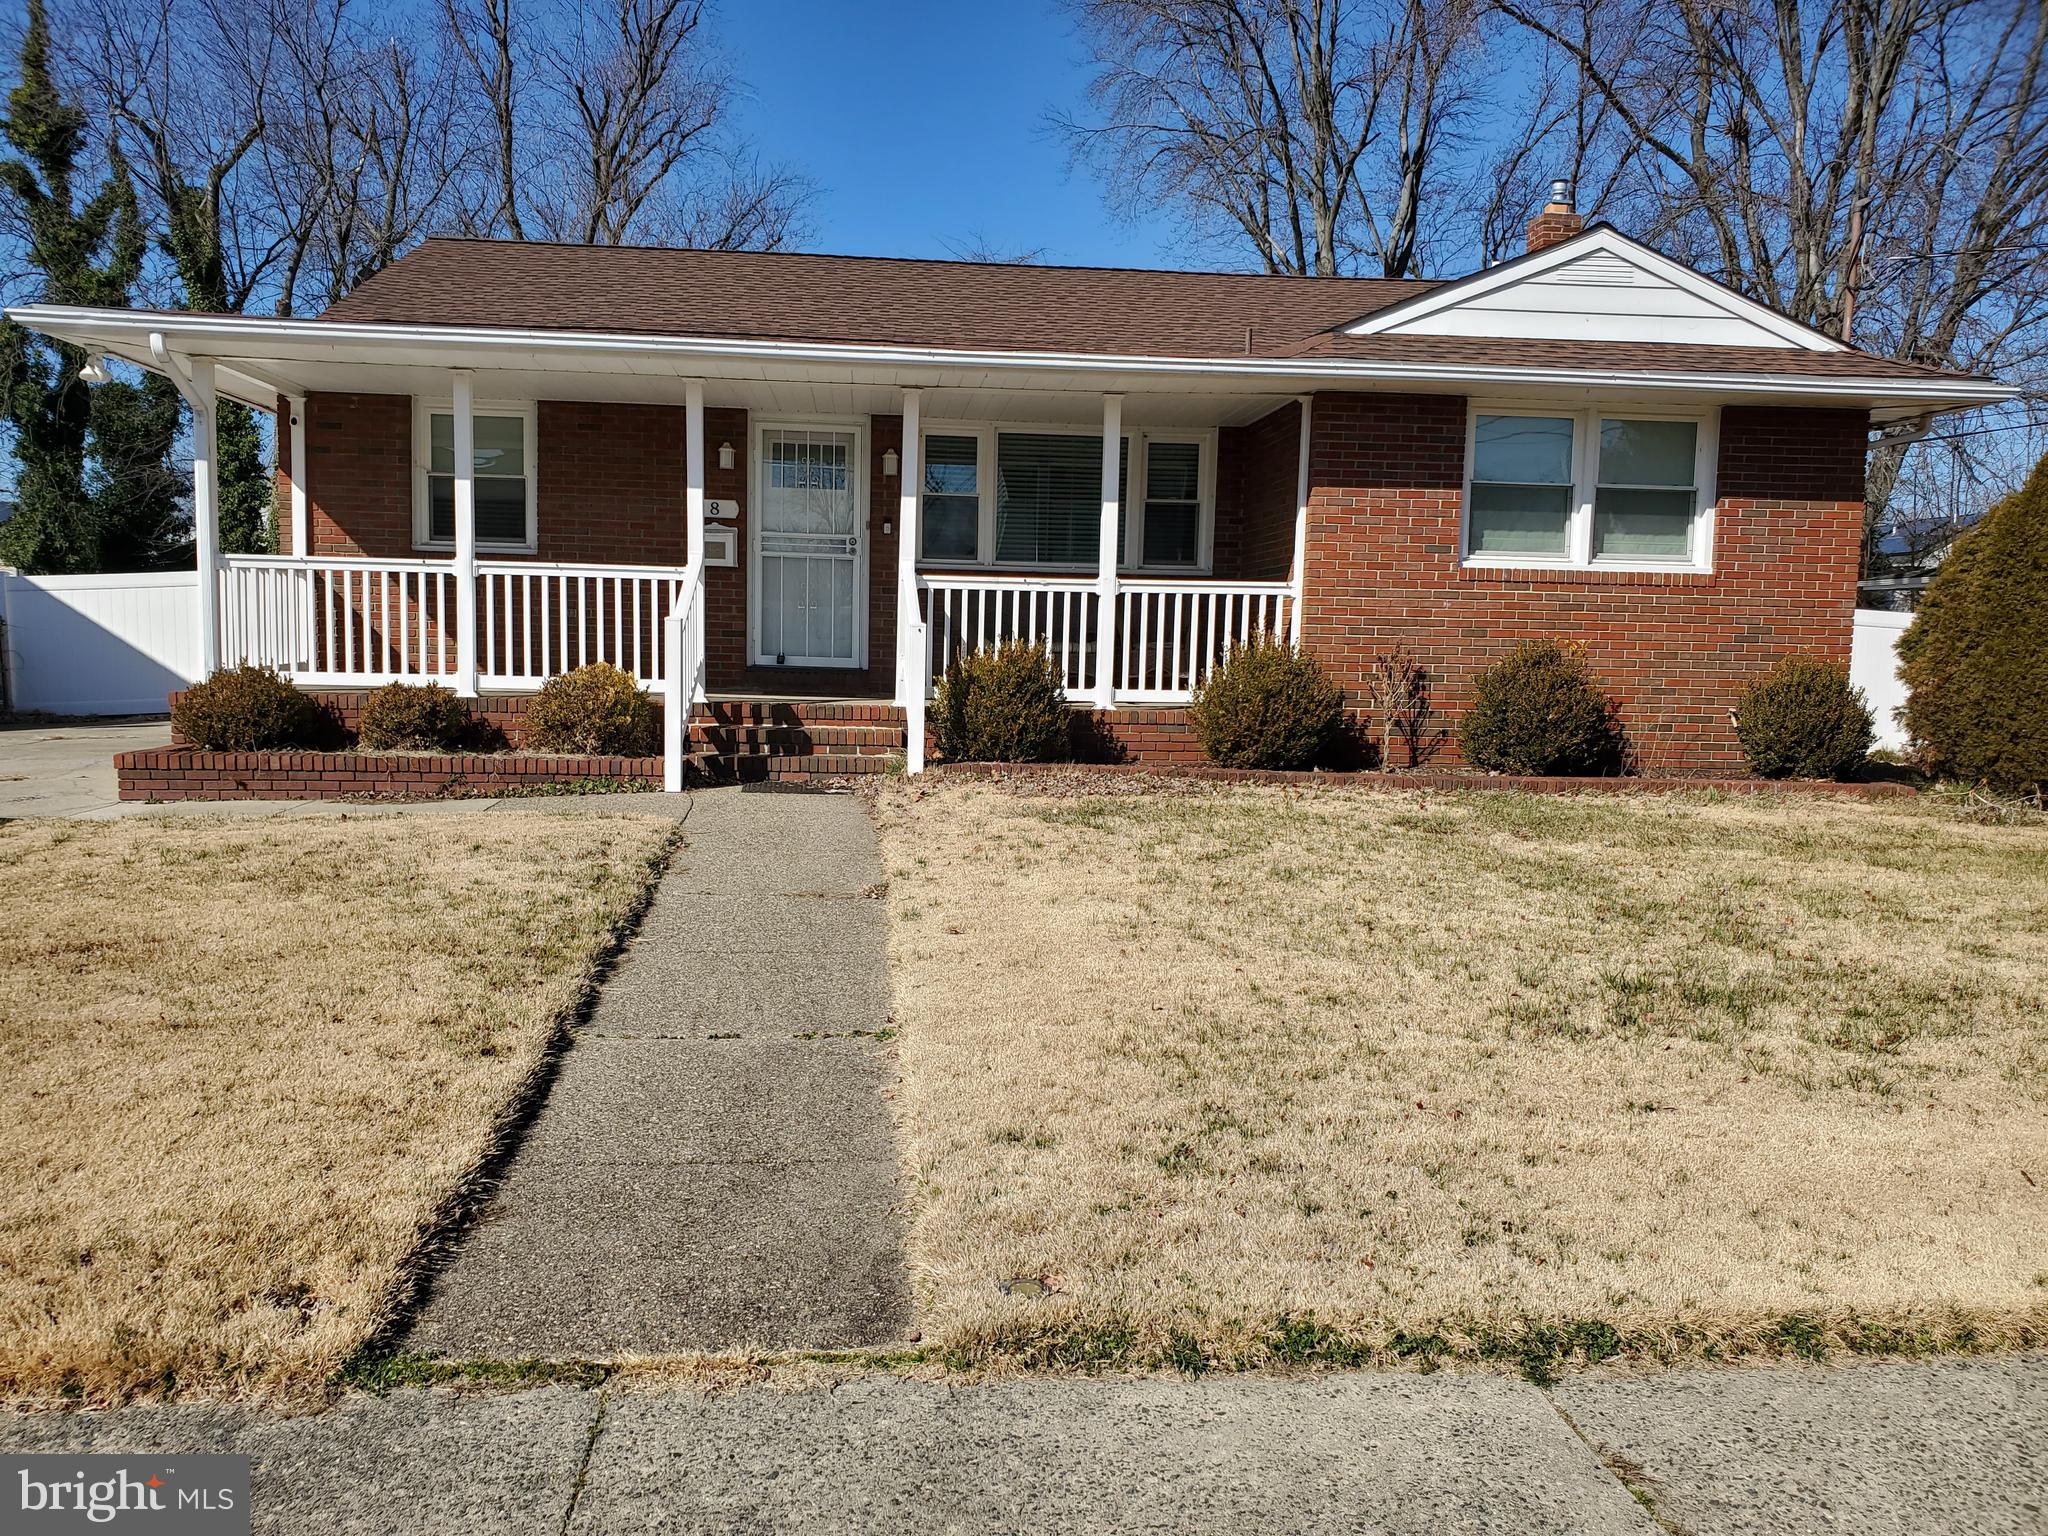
98 325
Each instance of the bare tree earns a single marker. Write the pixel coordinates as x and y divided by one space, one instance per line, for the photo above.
610 122
183 83
485 34
1314 131
365 151
977 247
1563 129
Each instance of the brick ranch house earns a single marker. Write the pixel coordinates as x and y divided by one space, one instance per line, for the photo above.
790 488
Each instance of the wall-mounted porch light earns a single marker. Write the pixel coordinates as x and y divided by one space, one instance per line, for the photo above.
725 456
889 462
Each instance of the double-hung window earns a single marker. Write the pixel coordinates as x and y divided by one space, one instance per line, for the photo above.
502 474
1031 498
951 519
1597 487
1170 518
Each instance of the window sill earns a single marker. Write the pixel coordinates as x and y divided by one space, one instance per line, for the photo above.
481 549
1591 575
971 568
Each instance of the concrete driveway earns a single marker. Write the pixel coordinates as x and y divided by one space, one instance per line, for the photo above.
67 769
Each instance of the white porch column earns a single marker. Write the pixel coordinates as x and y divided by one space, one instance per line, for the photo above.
197 388
913 655
1298 575
193 379
1109 548
464 408
296 406
693 527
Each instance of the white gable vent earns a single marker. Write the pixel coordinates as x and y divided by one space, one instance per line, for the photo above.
1599 270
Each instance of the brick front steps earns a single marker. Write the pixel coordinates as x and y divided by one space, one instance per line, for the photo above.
186 773
792 740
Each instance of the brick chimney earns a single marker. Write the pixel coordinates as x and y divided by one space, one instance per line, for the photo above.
1556 222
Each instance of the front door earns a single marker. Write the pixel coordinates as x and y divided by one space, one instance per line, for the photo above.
810 574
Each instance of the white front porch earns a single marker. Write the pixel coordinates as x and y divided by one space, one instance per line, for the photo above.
476 623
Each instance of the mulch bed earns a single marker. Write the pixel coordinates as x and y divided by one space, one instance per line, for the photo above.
1142 778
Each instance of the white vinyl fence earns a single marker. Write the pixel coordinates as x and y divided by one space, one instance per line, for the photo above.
99 645
1874 667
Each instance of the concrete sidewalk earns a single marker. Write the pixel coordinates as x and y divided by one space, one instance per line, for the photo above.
715 1164
1878 1450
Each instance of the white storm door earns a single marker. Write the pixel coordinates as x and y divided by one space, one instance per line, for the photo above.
810 590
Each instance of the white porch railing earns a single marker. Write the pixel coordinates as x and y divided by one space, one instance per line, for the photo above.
682 683
350 622
535 620
974 613
1168 636
1171 634
338 620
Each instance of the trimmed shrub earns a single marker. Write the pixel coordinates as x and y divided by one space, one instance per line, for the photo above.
596 708
250 709
1802 720
1005 705
1268 706
1976 658
413 717
1540 710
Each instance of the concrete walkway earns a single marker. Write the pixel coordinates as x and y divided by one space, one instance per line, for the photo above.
715 1165
1879 1450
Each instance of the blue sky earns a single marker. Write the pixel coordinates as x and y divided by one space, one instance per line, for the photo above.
924 123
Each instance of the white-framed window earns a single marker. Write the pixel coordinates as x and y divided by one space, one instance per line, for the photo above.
506 504
1611 487
1028 496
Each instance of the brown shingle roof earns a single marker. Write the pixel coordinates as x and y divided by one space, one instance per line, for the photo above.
1620 356
1099 311
787 297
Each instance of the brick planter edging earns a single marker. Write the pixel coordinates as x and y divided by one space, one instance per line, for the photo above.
1440 782
186 773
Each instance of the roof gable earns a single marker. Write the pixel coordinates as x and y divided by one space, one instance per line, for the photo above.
1597 286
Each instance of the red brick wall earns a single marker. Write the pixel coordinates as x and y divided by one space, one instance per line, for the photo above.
610 483
725 587
358 475
183 773
1257 478
1386 479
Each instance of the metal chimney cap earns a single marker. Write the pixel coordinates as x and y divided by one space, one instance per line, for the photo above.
1561 192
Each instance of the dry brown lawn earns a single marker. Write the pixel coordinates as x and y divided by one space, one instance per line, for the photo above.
247 1063
1248 1074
